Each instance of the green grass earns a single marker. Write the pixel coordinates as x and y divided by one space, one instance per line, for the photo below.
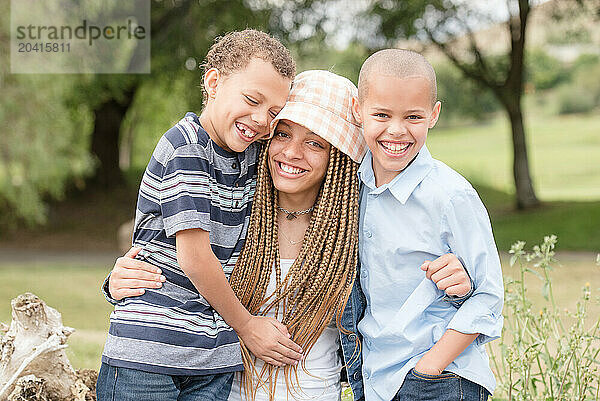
75 292
574 222
564 154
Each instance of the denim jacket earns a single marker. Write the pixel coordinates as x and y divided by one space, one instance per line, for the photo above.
350 343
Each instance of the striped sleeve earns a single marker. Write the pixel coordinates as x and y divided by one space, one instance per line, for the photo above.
185 196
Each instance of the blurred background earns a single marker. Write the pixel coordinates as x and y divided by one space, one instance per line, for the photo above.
520 93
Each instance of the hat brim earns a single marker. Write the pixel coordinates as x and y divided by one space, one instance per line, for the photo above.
324 123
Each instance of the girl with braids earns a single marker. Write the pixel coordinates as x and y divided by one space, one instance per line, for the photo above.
302 250
300 258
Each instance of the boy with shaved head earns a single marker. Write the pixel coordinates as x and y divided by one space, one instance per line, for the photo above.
413 209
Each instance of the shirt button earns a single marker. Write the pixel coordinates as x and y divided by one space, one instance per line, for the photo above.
363 273
352 337
367 375
368 234
234 165
356 375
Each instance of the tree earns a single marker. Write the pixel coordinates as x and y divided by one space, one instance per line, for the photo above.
65 131
442 23
41 146
450 26
180 30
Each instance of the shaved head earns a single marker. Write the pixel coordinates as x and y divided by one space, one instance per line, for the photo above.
396 63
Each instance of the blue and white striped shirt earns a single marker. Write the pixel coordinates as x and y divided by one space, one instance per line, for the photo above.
190 182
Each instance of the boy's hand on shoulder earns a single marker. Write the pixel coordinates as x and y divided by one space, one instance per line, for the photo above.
269 340
448 274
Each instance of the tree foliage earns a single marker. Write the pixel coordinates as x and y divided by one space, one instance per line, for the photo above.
49 120
181 33
462 100
43 146
451 27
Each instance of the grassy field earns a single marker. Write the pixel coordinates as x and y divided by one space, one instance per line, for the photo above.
575 222
564 153
74 291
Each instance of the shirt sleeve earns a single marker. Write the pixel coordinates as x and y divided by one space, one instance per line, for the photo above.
106 292
467 230
185 193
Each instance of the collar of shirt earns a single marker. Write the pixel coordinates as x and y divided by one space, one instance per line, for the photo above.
242 157
403 185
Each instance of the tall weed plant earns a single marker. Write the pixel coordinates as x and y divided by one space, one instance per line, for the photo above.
540 356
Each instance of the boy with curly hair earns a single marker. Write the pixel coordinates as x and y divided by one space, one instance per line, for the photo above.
179 342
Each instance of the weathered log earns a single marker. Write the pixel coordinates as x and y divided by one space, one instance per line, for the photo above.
33 363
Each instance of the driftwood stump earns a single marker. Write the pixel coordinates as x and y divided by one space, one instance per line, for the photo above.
33 363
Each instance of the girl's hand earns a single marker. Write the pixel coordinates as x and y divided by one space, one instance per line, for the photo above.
130 276
269 340
448 274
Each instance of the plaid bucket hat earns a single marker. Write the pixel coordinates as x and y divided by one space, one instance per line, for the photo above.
321 101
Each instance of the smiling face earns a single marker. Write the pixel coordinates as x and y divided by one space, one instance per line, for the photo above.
242 105
298 160
396 115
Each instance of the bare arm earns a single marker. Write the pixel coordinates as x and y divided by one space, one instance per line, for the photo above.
266 338
196 259
450 276
451 345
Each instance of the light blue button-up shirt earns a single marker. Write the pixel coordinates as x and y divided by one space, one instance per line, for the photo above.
424 212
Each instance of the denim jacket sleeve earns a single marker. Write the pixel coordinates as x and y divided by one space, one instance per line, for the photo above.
351 342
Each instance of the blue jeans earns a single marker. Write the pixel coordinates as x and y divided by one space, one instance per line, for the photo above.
124 384
448 386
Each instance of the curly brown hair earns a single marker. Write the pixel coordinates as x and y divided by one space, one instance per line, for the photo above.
233 51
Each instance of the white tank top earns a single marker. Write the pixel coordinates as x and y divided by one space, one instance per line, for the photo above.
322 362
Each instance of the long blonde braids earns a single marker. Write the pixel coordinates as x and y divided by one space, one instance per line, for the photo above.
320 280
